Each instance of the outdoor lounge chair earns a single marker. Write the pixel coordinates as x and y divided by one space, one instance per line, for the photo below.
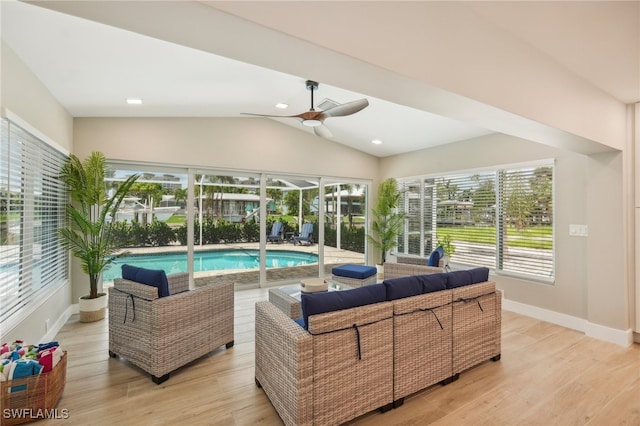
306 235
276 233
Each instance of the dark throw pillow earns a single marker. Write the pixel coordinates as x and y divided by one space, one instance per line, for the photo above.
434 257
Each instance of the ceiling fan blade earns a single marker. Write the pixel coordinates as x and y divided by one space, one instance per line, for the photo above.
267 115
346 109
322 131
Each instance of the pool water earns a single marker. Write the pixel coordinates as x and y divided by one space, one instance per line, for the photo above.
211 260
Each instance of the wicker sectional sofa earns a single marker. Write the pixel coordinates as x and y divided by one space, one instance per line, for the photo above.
374 345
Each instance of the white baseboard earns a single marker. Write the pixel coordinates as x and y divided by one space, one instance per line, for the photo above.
608 334
600 332
57 326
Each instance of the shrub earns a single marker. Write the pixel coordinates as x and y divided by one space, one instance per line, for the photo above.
160 234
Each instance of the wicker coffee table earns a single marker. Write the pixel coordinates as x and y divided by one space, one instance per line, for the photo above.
287 298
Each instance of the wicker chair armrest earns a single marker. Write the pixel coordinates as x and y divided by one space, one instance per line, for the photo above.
412 260
143 291
417 260
396 270
178 282
284 364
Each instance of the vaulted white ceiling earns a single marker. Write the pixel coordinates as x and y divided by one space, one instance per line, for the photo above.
97 54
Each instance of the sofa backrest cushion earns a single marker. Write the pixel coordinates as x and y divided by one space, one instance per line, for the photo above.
458 278
153 277
479 275
413 285
319 303
401 287
467 277
433 282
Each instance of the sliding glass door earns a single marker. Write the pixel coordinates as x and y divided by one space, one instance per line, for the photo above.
249 228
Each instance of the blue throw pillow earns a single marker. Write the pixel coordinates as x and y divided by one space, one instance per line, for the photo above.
458 279
153 277
434 258
399 288
319 303
433 282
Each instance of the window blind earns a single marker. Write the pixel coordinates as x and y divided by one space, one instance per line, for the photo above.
32 208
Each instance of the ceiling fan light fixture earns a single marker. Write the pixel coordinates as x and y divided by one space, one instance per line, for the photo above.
311 123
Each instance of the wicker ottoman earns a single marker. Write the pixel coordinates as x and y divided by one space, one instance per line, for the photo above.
354 275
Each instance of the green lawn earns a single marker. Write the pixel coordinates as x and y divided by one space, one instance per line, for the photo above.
176 219
540 237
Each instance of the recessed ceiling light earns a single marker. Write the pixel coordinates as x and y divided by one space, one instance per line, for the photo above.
376 142
134 101
282 105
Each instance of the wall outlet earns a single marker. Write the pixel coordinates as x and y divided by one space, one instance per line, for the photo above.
46 325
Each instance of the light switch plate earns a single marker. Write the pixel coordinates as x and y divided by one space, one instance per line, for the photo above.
578 230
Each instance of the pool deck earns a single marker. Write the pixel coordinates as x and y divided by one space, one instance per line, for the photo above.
245 279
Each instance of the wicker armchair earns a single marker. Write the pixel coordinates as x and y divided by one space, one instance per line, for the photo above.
160 335
410 265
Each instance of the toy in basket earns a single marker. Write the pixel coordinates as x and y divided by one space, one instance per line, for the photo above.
31 397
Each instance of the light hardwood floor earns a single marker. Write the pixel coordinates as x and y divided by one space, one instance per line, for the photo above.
548 375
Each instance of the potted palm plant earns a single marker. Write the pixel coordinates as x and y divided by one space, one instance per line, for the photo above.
89 219
387 221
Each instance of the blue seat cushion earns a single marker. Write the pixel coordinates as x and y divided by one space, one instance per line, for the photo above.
299 321
358 272
320 303
152 277
435 256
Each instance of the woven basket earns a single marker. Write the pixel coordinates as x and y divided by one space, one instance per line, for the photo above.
37 397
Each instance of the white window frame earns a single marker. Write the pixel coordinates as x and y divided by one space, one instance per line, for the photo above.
498 257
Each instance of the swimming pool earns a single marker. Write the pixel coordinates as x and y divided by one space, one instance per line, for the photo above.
211 260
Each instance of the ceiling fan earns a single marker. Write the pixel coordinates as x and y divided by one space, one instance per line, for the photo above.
315 119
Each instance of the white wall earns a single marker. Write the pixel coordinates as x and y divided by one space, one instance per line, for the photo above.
231 143
590 285
25 96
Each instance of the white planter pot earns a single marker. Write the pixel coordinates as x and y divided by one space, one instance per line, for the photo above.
380 272
92 309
